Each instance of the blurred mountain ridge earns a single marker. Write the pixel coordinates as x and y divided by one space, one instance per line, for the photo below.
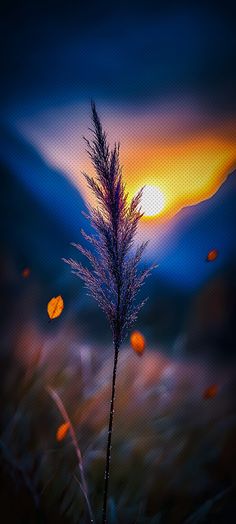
192 233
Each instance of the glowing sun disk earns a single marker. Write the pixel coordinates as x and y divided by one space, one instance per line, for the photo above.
152 201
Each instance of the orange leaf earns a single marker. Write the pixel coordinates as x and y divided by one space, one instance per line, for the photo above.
55 307
25 272
62 431
210 392
137 342
212 255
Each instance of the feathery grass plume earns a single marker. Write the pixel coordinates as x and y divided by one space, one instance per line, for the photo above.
113 278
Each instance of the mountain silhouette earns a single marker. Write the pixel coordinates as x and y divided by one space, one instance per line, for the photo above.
195 231
47 186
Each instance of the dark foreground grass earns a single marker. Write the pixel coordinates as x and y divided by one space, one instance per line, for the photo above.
174 452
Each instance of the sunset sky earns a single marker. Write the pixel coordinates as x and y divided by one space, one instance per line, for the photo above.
163 147
163 79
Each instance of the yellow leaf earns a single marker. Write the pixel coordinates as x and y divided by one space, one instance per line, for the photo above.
55 307
137 342
62 431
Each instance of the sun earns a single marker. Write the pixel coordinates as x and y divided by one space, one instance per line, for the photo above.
152 201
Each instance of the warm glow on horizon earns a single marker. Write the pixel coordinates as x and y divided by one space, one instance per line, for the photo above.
152 201
185 173
185 162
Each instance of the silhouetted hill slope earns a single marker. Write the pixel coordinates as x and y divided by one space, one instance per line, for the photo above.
47 186
31 233
193 232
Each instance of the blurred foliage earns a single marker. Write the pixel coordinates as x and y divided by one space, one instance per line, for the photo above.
173 453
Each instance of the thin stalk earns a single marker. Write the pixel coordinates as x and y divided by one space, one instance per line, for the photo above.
116 354
109 435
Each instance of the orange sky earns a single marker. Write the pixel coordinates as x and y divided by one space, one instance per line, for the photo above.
181 151
186 172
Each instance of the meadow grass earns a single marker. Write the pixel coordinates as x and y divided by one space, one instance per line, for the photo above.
173 451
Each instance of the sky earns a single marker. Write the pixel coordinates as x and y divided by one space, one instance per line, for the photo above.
162 76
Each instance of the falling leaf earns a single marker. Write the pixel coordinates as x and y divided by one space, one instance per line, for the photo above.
210 392
62 431
25 272
212 255
55 307
137 342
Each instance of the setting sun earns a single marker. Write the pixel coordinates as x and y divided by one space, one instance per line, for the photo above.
152 201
